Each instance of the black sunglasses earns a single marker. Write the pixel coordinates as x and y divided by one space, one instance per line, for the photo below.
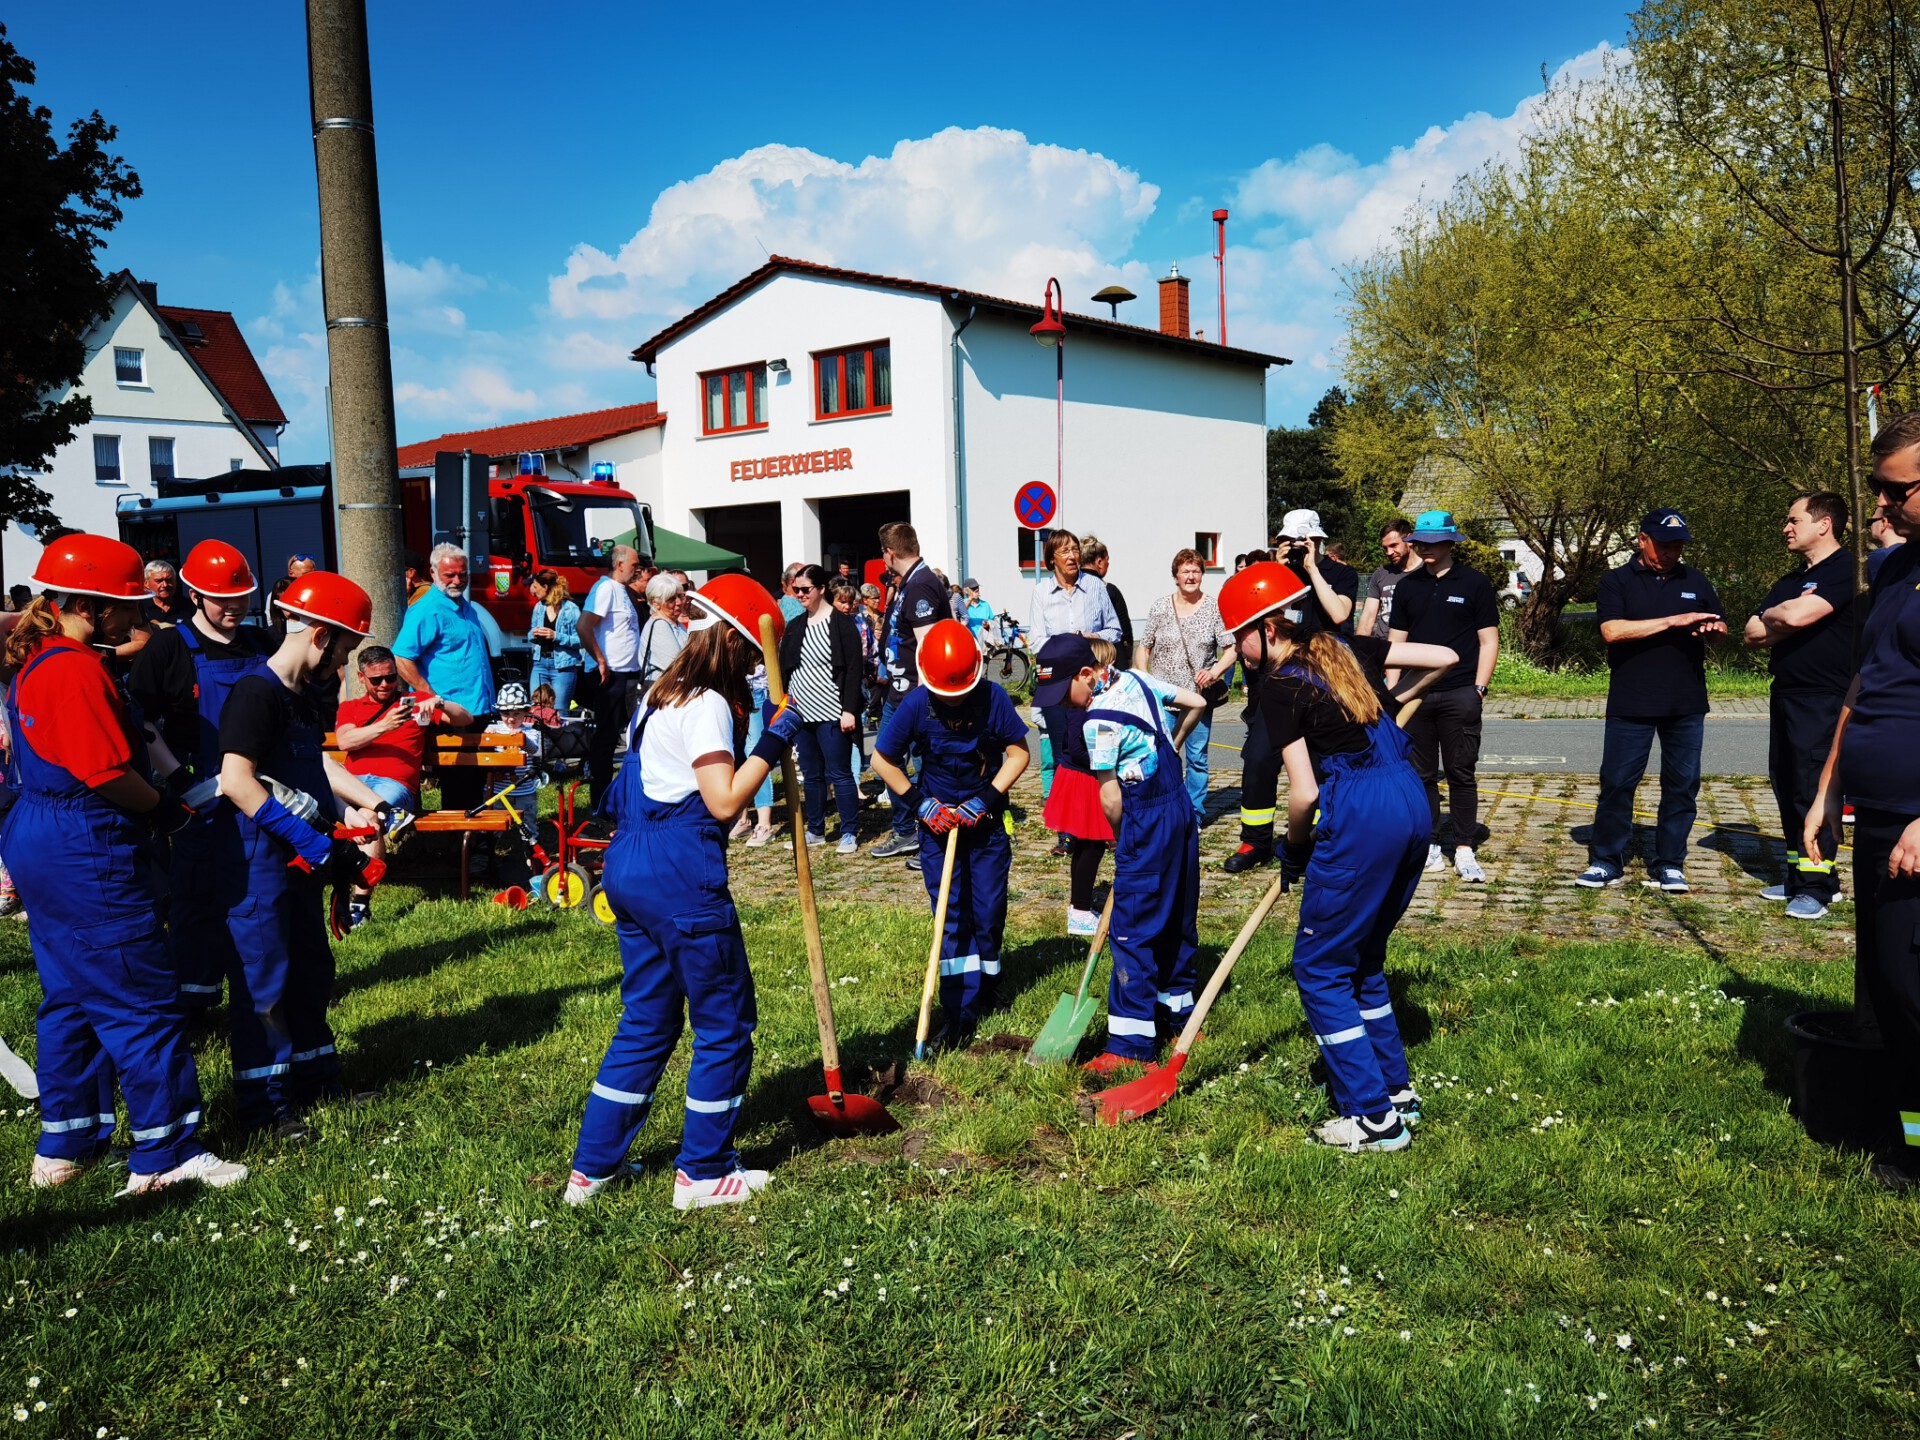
381 679
1894 492
804 589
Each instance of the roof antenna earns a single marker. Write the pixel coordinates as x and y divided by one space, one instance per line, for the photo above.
763 247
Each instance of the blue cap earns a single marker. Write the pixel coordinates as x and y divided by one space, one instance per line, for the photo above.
1435 525
1665 525
1059 660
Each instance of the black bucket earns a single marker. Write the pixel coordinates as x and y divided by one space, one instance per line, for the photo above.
1841 1090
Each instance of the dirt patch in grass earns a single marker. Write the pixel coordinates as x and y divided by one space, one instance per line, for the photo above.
1007 1044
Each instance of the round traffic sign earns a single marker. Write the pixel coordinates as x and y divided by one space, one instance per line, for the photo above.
1034 504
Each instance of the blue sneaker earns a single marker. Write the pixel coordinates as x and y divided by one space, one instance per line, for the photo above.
1598 877
1670 878
1805 907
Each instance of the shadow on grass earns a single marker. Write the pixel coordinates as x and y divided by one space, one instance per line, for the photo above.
1758 854
389 1050
46 1226
409 962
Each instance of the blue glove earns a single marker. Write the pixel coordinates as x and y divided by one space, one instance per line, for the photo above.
972 813
782 724
309 844
937 817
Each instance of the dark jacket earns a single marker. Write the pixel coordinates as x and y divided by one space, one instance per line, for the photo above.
847 658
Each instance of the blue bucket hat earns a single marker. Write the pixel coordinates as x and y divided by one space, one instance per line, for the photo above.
1435 525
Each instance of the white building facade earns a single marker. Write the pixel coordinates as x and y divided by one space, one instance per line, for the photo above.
811 405
158 415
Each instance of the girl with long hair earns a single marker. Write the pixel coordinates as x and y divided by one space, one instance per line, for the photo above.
666 878
1346 760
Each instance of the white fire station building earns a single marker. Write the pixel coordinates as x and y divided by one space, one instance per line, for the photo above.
810 405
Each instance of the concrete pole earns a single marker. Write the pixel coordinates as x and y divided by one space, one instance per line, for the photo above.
353 282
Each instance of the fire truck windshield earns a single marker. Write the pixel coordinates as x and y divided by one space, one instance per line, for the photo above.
581 529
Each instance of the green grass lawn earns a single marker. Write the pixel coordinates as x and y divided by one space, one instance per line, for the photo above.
1609 1225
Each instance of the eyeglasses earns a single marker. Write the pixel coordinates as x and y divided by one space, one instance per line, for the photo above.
1894 492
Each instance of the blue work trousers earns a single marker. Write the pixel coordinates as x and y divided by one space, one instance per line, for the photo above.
1155 938
976 914
283 1053
903 820
1623 760
683 954
1370 847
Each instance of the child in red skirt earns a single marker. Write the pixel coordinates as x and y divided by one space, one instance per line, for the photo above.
1073 807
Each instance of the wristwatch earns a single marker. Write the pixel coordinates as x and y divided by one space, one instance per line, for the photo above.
1483 691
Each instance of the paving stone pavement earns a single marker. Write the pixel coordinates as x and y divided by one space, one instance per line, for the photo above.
1539 825
1508 707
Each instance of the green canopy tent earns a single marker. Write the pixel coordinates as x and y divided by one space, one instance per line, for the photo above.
672 551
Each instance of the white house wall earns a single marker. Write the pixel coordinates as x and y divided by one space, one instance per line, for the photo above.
1160 446
172 402
791 318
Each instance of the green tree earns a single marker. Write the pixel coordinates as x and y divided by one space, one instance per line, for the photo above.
1303 474
60 203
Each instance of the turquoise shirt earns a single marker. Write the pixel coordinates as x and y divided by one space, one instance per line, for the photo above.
1131 754
442 636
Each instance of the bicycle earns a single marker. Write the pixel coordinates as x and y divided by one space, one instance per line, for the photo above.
1007 662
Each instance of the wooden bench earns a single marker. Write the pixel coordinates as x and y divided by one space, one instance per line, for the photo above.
482 751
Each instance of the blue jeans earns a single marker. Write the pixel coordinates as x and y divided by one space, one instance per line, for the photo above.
756 727
1195 755
394 792
1623 760
562 681
823 748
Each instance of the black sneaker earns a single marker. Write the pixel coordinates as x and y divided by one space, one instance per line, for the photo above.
913 862
893 845
1248 857
292 1130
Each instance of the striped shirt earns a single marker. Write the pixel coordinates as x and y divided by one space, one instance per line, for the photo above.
814 694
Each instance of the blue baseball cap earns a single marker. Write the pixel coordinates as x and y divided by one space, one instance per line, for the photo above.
1059 660
1665 525
1433 525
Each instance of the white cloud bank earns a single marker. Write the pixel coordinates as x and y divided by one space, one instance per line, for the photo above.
985 208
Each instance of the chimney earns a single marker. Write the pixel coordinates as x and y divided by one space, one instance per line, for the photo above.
1174 318
150 289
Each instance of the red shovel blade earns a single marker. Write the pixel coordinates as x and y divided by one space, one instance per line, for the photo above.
852 1115
1138 1097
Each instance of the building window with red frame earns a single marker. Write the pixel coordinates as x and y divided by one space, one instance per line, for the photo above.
734 400
858 381
1208 544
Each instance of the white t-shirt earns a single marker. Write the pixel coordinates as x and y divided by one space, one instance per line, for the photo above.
676 737
619 633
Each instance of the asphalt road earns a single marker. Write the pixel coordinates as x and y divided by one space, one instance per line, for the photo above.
1733 746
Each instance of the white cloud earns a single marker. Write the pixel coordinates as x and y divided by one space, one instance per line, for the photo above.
476 395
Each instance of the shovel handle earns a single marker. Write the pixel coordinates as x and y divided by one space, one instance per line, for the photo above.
1093 951
1225 967
803 875
932 982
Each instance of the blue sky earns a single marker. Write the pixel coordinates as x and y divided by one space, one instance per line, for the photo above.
557 183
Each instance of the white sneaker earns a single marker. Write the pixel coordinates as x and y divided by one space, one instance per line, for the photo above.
734 1189
1435 860
849 844
206 1167
50 1170
1082 923
1775 892
815 840
1468 867
1355 1133
580 1189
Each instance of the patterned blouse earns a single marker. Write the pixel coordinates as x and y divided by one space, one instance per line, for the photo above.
1205 634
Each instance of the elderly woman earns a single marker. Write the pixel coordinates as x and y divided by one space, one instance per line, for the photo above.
664 634
1186 644
1066 601
554 633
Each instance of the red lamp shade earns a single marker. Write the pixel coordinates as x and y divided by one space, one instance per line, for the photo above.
1050 331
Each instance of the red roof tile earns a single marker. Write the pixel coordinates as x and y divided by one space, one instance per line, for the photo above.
778 264
563 432
222 352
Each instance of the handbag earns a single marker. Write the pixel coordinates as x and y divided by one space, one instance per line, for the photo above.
1219 692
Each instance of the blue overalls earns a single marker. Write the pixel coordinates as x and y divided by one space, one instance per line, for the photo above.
1371 846
109 1001
205 887
283 1055
681 947
1156 896
953 770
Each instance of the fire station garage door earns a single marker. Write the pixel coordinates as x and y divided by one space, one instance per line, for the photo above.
754 531
850 526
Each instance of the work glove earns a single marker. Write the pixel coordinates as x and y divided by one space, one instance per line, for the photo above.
170 816
972 812
312 848
782 723
1295 856
937 817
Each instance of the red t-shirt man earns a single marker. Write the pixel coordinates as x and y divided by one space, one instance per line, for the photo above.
385 744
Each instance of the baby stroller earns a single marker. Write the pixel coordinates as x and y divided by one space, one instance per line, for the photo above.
569 872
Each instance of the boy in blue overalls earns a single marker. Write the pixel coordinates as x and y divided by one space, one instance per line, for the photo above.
1156 868
973 745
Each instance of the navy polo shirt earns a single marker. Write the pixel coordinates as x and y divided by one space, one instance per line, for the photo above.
1820 657
1451 610
1879 762
921 600
1665 674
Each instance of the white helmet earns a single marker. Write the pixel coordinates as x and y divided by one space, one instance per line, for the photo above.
512 696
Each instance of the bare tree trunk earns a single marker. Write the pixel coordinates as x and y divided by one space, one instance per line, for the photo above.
1843 259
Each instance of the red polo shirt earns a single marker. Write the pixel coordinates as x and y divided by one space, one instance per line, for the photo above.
400 754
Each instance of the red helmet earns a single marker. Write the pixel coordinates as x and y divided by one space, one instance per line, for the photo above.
1258 590
80 564
329 599
215 569
949 659
740 601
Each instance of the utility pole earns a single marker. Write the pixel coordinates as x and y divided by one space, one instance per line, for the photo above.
366 483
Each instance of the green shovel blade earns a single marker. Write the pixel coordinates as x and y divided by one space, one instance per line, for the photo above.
1062 1034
